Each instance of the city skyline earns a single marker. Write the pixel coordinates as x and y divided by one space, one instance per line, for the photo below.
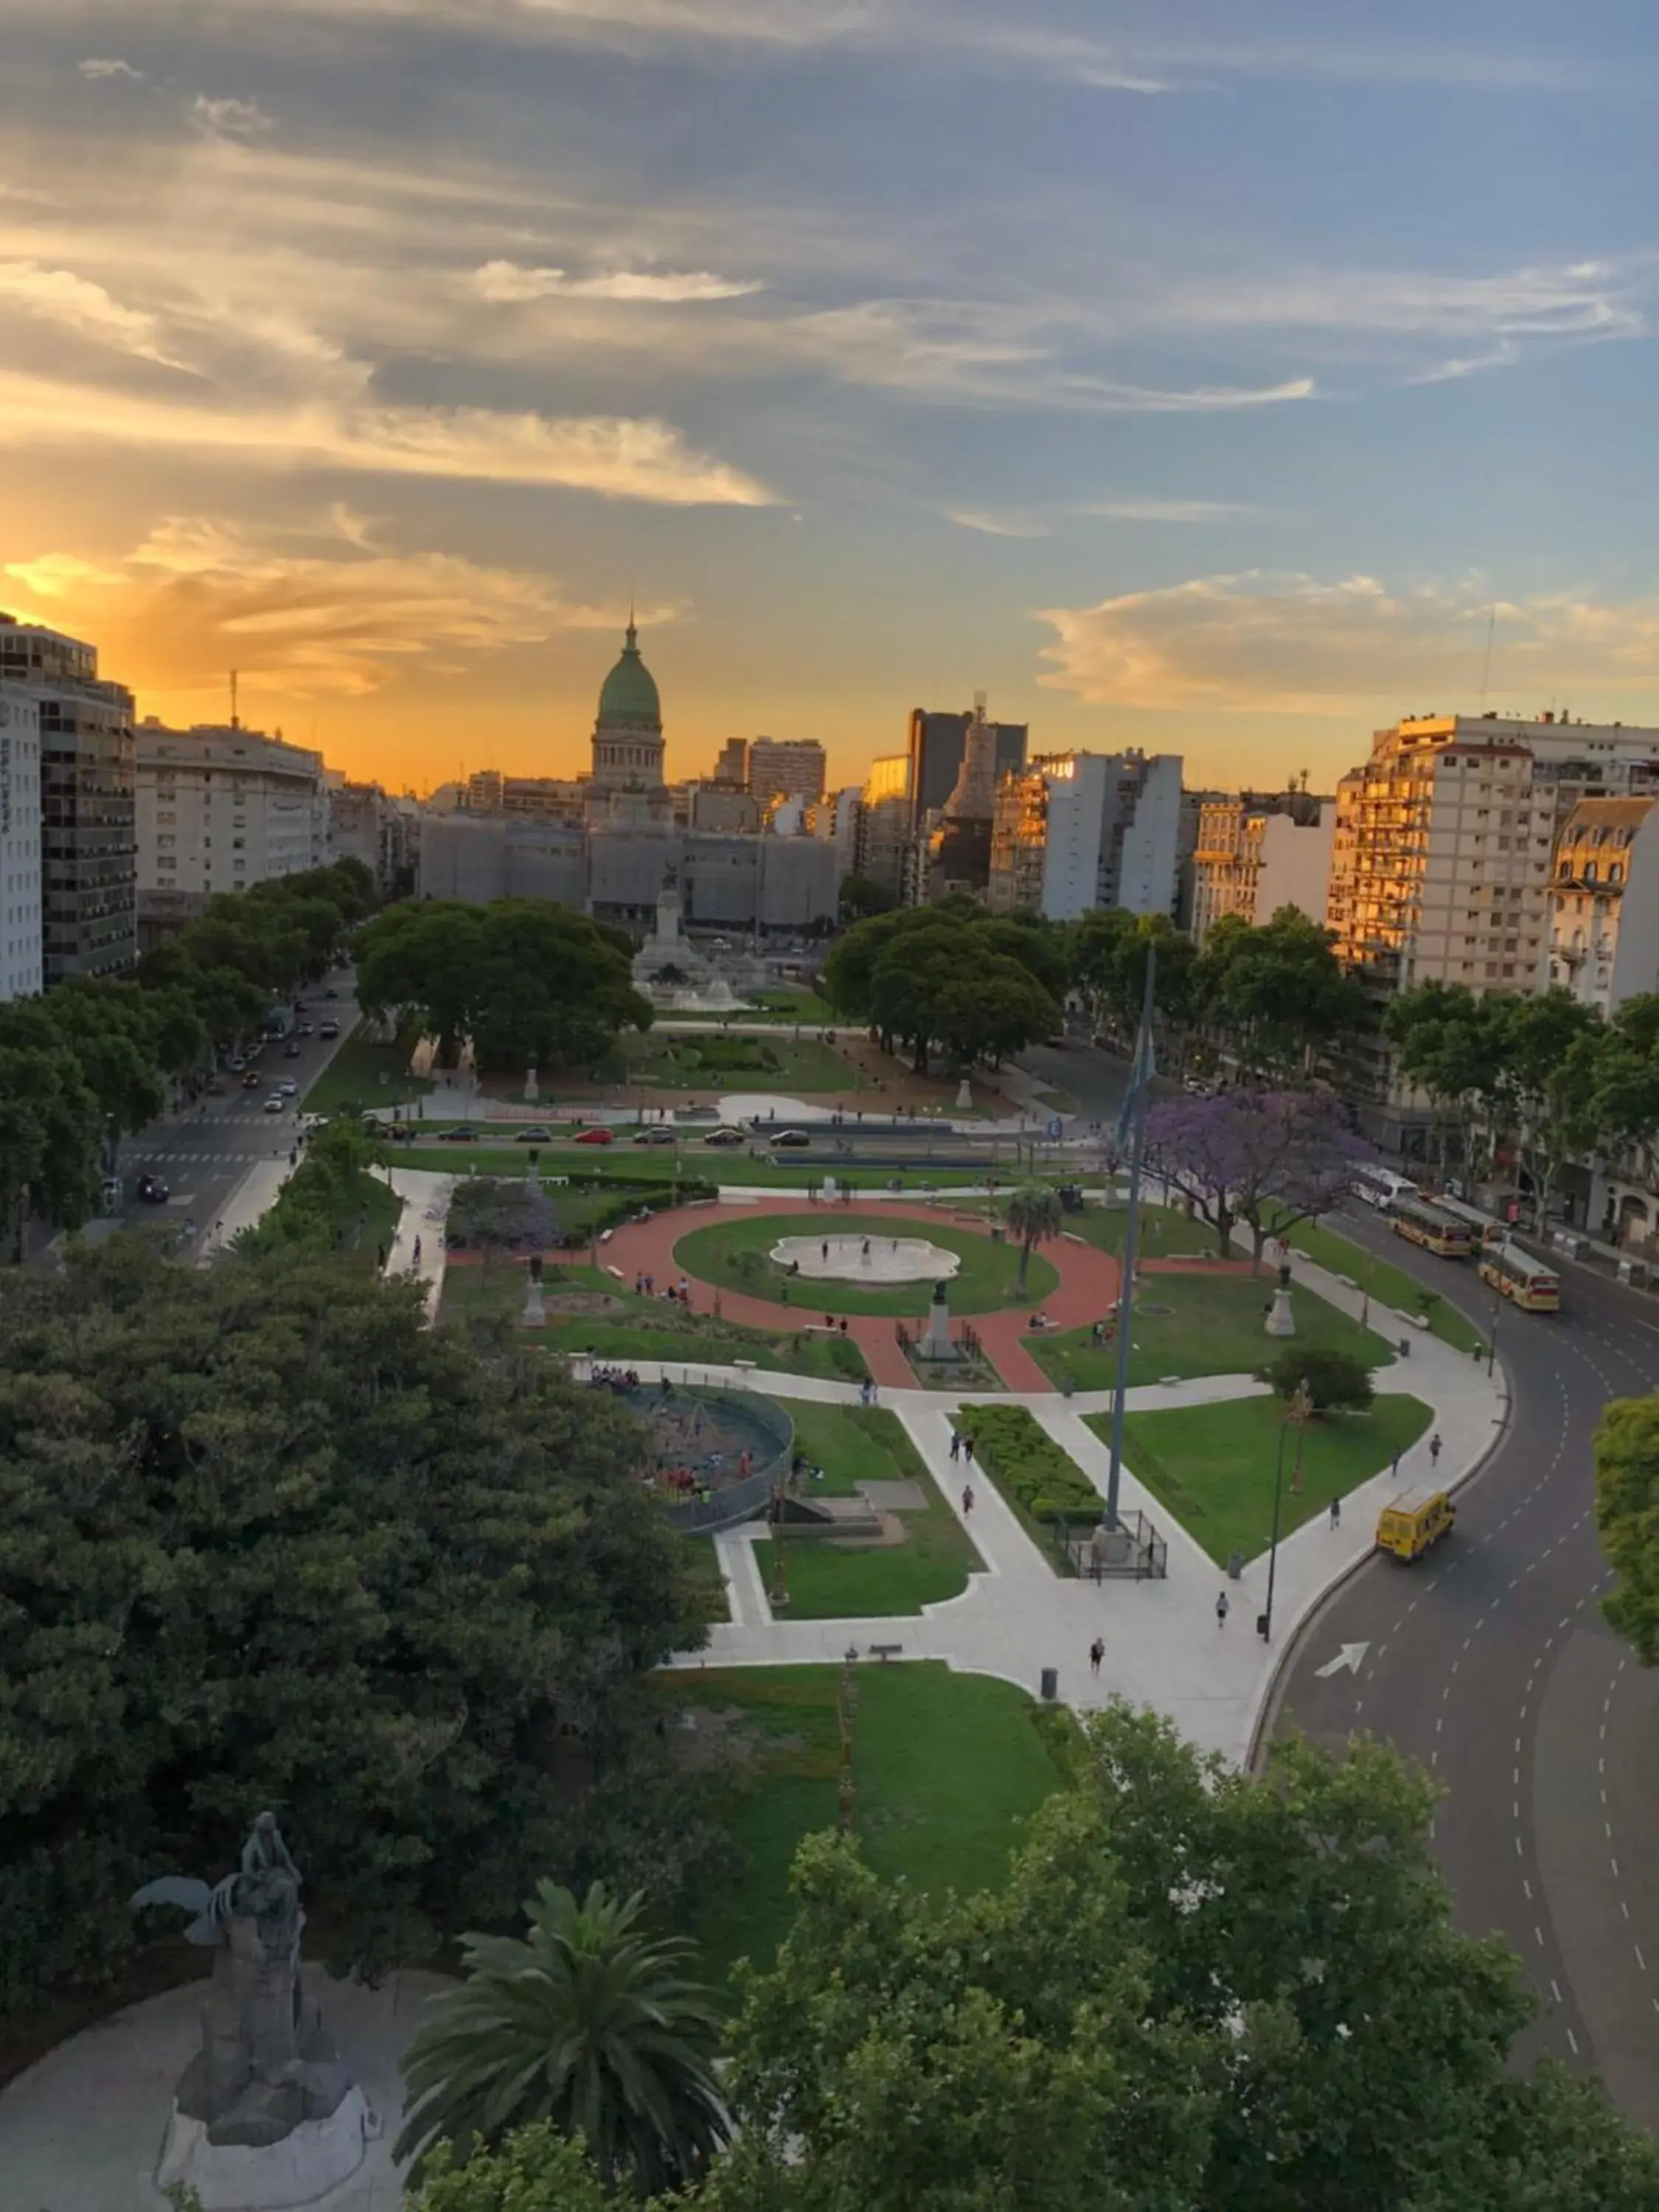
1215 394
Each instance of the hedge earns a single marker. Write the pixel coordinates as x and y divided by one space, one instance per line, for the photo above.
1039 1481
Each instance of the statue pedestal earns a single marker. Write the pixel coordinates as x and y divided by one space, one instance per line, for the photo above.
936 1338
964 1097
535 1312
308 2162
532 1090
1281 1321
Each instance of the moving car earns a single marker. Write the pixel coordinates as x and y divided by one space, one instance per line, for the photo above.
150 1190
307 1029
655 1136
290 1050
792 1138
593 1137
329 1030
287 1088
252 1080
275 1103
1409 1524
460 1135
725 1136
535 1134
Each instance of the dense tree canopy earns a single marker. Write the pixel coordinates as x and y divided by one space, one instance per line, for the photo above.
1198 1988
270 1541
1266 1158
950 978
527 981
1627 1518
1277 992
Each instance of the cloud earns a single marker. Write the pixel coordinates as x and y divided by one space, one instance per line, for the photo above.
1290 643
74 303
617 456
998 526
1158 510
506 283
233 122
302 617
98 71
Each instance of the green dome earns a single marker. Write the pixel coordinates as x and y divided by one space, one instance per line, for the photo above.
629 696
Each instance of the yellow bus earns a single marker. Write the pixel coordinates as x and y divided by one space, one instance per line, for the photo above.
1435 1231
1524 1281
1486 1231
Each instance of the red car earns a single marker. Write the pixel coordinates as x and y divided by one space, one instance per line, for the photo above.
593 1137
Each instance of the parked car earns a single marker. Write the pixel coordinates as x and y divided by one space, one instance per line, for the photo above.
329 1030
535 1134
658 1136
150 1190
725 1136
237 1062
793 1139
275 1103
112 1193
460 1135
593 1136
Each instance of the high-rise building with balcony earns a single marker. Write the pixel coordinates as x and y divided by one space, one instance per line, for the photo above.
19 844
1081 830
787 768
1258 851
221 809
1604 901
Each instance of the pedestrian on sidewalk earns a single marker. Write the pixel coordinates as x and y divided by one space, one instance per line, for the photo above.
1336 1513
1096 1653
1221 1610
956 1444
417 1251
967 1450
967 1497
1434 1449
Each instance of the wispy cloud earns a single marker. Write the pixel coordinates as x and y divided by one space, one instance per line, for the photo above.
100 71
998 526
508 283
1291 643
305 618
75 304
617 456
235 122
1129 509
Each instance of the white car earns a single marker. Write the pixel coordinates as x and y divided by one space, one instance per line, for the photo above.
287 1088
275 1103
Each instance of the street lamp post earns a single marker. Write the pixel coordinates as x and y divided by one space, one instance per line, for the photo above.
1298 1410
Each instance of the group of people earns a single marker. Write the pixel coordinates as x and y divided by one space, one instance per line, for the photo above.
622 1380
645 1286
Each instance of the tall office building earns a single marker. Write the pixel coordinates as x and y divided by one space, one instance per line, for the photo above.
221 809
937 744
791 768
1258 851
1081 830
19 844
88 852
732 765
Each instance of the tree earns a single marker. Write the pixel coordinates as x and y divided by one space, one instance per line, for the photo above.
535 2170
1032 1213
1278 993
272 1540
948 977
861 898
1267 1158
1626 1447
1109 950
493 1214
1332 1381
587 2024
1443 1039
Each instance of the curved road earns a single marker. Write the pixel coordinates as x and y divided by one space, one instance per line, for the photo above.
1488 1662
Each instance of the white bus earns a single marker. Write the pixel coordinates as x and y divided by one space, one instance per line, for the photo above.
1381 1188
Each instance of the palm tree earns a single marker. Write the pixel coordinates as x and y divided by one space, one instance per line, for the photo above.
586 2023
1033 1214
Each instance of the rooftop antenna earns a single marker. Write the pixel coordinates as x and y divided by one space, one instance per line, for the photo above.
1486 673
235 722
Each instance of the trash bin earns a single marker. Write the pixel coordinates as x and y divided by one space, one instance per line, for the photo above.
1051 1683
1405 1347
1235 1565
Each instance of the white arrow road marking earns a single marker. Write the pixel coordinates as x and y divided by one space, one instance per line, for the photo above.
1352 1655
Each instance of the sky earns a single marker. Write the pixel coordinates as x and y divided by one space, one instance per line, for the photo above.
1216 379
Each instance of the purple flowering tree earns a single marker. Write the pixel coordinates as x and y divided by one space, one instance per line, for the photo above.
494 1214
1265 1158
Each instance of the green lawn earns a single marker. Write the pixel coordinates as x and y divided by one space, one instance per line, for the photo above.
1214 1327
662 1059
1392 1286
984 1282
829 1581
656 1164
1165 1231
1212 1465
946 1770
354 1077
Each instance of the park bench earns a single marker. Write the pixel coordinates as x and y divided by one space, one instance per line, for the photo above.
885 1652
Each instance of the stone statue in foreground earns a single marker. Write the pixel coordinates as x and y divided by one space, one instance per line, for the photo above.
264 2107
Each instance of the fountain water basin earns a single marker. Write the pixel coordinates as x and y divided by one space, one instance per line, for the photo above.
873 1260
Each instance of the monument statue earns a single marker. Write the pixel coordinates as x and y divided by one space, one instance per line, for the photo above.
266 2073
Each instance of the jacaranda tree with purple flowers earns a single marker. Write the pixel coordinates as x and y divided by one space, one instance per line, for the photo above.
1265 1158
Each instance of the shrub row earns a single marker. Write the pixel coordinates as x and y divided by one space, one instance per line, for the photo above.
1030 1468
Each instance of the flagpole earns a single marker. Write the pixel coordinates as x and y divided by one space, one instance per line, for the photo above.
1135 1112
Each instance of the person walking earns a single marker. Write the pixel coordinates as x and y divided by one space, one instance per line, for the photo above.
1336 1513
1434 1449
967 1450
417 1251
967 1497
1096 1653
956 1444
1221 1609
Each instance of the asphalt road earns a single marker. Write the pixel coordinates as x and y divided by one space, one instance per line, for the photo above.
203 1153
1488 1662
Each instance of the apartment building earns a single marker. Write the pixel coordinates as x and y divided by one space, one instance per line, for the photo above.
935 753
221 808
20 845
1079 830
88 849
791 768
366 824
1604 901
732 765
1257 852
